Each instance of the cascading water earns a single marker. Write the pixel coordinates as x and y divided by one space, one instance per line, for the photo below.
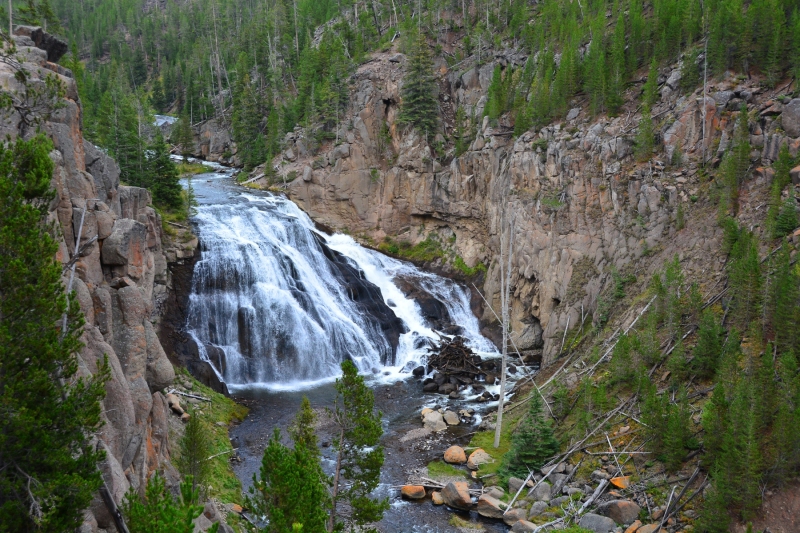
275 302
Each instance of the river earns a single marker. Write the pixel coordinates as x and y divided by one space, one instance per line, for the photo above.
276 305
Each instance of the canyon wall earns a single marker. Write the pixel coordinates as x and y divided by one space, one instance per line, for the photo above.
583 208
120 277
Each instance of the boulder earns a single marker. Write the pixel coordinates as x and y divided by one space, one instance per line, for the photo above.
651 528
451 419
542 492
477 458
634 527
490 507
597 523
515 483
434 421
790 119
174 404
413 492
430 387
620 511
436 498
536 509
523 526
621 482
307 173
455 454
418 372
514 515
456 495
495 492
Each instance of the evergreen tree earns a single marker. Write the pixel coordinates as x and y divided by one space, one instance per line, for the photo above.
419 108
650 91
195 451
39 13
783 302
786 222
182 136
158 98
163 180
359 456
532 443
495 102
290 489
645 137
159 512
48 465
709 344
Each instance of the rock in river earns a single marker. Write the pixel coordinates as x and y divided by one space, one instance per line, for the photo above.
413 492
456 495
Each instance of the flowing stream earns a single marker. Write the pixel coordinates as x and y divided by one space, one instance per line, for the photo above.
276 305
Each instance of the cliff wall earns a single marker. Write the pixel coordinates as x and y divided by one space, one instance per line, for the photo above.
121 280
583 207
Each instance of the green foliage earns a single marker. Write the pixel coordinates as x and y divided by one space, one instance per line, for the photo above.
736 163
359 454
709 344
668 426
39 13
468 271
182 136
786 222
48 413
644 143
195 451
290 489
419 108
162 175
424 251
532 443
159 512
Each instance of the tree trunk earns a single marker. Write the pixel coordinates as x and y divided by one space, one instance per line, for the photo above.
336 475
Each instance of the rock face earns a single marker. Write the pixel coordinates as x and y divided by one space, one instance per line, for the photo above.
581 202
121 280
456 495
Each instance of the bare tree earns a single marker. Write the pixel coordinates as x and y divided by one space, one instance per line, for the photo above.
506 251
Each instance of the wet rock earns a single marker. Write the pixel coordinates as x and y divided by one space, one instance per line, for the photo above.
451 419
597 523
456 495
477 458
413 492
455 454
434 421
418 372
490 507
454 395
430 387
446 388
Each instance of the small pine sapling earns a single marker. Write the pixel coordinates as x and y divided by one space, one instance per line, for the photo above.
531 444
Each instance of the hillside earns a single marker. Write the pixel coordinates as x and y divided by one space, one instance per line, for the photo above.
642 157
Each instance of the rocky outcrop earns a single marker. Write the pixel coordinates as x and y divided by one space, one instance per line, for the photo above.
120 277
583 207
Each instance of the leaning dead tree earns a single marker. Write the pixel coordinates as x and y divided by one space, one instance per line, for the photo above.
505 298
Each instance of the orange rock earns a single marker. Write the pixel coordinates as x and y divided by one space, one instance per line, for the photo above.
413 492
436 497
455 455
633 528
456 495
621 482
235 508
651 528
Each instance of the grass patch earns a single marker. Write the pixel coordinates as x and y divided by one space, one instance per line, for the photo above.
424 251
485 440
439 470
457 521
189 168
462 267
225 486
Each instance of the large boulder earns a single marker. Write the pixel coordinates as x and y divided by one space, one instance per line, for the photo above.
455 455
620 511
433 420
597 523
490 507
790 119
542 492
536 509
477 458
456 495
55 47
413 492
512 516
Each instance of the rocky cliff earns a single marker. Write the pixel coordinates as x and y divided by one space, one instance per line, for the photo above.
113 236
583 207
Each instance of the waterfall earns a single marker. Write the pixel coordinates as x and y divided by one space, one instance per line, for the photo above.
278 303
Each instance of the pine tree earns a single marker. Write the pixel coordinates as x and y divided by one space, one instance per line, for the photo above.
709 344
419 108
159 512
163 180
48 464
783 303
786 222
359 456
182 136
532 443
650 91
290 489
195 450
39 13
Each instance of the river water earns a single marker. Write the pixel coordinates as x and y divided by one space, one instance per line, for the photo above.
276 305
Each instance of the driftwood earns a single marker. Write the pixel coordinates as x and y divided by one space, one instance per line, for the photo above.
455 357
173 391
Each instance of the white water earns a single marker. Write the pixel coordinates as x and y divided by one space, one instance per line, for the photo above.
265 294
